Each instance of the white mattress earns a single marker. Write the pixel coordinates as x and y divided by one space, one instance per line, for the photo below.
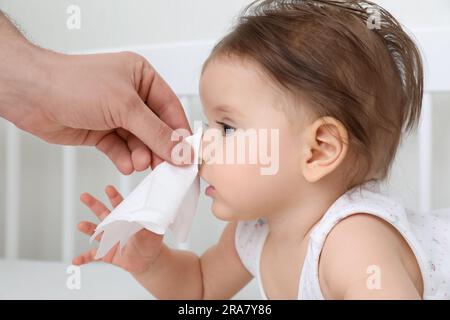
47 280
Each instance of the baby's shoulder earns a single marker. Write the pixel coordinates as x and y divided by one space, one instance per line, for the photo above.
358 246
362 231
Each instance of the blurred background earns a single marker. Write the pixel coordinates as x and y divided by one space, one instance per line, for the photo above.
114 23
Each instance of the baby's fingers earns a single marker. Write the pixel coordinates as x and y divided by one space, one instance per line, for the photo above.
88 228
114 196
85 258
96 206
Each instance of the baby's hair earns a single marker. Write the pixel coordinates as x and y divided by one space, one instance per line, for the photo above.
333 55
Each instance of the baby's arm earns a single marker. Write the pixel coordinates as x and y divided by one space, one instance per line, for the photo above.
169 273
217 274
364 257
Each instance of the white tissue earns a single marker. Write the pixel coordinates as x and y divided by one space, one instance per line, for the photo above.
166 198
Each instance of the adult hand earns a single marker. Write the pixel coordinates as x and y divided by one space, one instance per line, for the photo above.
116 102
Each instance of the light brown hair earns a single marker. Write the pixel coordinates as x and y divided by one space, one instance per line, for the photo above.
370 79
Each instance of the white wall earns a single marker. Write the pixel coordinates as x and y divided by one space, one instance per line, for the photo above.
108 23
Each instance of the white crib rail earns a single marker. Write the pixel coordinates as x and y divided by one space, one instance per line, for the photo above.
179 64
425 154
435 46
68 202
12 192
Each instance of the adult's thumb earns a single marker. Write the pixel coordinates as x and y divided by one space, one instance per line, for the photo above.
157 135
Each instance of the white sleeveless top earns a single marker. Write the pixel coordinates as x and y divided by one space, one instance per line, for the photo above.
428 235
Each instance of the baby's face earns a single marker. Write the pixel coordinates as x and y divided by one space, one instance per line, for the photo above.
238 98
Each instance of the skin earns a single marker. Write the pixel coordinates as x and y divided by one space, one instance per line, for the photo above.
313 162
116 103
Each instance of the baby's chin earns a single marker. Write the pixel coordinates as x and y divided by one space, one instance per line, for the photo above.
223 212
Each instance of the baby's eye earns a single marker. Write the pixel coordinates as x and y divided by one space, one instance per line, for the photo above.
226 128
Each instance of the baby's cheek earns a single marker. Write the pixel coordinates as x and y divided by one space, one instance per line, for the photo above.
241 188
235 178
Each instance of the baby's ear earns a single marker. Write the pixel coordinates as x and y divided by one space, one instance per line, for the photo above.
326 145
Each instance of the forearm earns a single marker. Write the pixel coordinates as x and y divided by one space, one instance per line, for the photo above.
7 29
175 274
11 43
24 73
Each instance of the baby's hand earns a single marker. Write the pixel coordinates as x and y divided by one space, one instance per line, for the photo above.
140 250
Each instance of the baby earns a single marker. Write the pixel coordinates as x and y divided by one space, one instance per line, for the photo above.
341 82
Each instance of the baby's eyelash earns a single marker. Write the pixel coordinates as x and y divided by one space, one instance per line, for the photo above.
226 127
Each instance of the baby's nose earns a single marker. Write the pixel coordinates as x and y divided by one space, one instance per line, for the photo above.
201 169
203 154
199 158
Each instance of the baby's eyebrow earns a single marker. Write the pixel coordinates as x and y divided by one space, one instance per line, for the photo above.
223 108
226 109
